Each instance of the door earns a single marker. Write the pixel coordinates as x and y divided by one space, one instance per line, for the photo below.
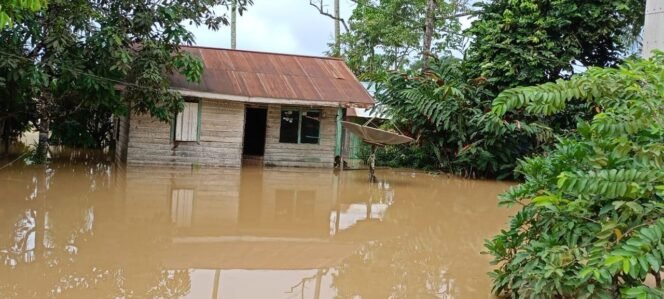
254 131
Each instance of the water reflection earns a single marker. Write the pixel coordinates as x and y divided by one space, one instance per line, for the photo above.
94 229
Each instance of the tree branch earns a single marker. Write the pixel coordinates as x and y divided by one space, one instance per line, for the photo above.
320 9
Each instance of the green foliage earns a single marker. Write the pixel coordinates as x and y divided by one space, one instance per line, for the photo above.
9 9
387 34
527 42
592 218
90 128
447 117
73 55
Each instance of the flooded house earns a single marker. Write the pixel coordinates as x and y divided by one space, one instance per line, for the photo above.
266 108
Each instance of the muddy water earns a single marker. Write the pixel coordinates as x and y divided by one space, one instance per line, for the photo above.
97 230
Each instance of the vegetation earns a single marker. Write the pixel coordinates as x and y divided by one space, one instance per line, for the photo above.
446 116
527 42
72 56
387 35
514 43
592 216
10 9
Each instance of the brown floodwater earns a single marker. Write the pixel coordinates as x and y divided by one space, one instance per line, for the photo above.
83 227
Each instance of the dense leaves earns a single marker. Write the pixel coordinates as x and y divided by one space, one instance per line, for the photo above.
515 42
388 34
86 55
447 116
10 9
526 42
592 217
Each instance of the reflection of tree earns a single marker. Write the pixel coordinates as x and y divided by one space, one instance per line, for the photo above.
427 245
59 246
403 267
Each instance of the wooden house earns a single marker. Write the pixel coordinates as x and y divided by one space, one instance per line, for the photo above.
276 109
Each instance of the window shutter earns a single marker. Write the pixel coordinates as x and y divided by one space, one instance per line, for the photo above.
187 123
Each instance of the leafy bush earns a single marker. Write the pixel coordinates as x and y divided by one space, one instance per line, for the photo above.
592 217
447 116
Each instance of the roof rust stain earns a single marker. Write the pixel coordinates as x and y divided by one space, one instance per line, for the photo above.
275 75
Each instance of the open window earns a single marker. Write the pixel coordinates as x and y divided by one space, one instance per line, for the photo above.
300 126
187 122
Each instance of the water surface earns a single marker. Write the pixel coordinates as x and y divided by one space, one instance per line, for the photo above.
76 229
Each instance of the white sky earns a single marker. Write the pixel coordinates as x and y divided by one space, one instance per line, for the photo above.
285 26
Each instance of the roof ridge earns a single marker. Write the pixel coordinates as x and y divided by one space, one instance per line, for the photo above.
263 52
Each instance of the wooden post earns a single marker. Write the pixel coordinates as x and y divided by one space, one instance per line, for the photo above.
372 164
337 29
233 24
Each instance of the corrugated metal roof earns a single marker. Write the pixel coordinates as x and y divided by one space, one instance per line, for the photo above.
275 76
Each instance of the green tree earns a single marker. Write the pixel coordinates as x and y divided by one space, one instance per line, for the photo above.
526 42
390 34
10 9
591 222
446 114
84 51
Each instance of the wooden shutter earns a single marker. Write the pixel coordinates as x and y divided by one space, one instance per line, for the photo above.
186 124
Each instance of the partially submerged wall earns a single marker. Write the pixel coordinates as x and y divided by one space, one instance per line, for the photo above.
220 143
122 138
300 155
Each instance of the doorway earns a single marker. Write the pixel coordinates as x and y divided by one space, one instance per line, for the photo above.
255 124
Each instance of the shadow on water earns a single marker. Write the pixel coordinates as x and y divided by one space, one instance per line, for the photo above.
83 227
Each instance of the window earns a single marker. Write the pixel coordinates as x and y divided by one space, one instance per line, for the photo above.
300 126
186 123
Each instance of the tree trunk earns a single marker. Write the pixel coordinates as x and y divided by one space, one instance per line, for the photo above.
337 29
233 24
429 24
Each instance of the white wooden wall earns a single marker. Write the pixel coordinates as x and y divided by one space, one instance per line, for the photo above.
653 32
220 142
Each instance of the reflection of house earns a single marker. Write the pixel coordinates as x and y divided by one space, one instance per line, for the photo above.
248 218
276 108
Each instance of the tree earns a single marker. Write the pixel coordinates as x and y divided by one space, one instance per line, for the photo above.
9 9
526 42
446 114
518 42
391 34
82 51
591 222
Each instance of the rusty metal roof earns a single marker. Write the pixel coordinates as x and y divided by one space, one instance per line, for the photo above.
275 76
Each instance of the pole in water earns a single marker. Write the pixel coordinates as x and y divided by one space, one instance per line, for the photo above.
372 164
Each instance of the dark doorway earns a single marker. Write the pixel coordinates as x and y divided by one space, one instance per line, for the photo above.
255 124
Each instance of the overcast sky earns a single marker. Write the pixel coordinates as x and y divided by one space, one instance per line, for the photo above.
285 26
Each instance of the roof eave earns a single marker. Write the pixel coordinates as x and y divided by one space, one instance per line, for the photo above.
264 100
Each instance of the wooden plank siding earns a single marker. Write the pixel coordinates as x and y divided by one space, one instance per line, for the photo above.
300 155
220 144
122 139
149 141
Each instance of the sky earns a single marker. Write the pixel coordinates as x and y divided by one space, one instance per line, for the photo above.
284 26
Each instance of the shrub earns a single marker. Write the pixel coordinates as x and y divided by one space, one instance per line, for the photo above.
591 222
